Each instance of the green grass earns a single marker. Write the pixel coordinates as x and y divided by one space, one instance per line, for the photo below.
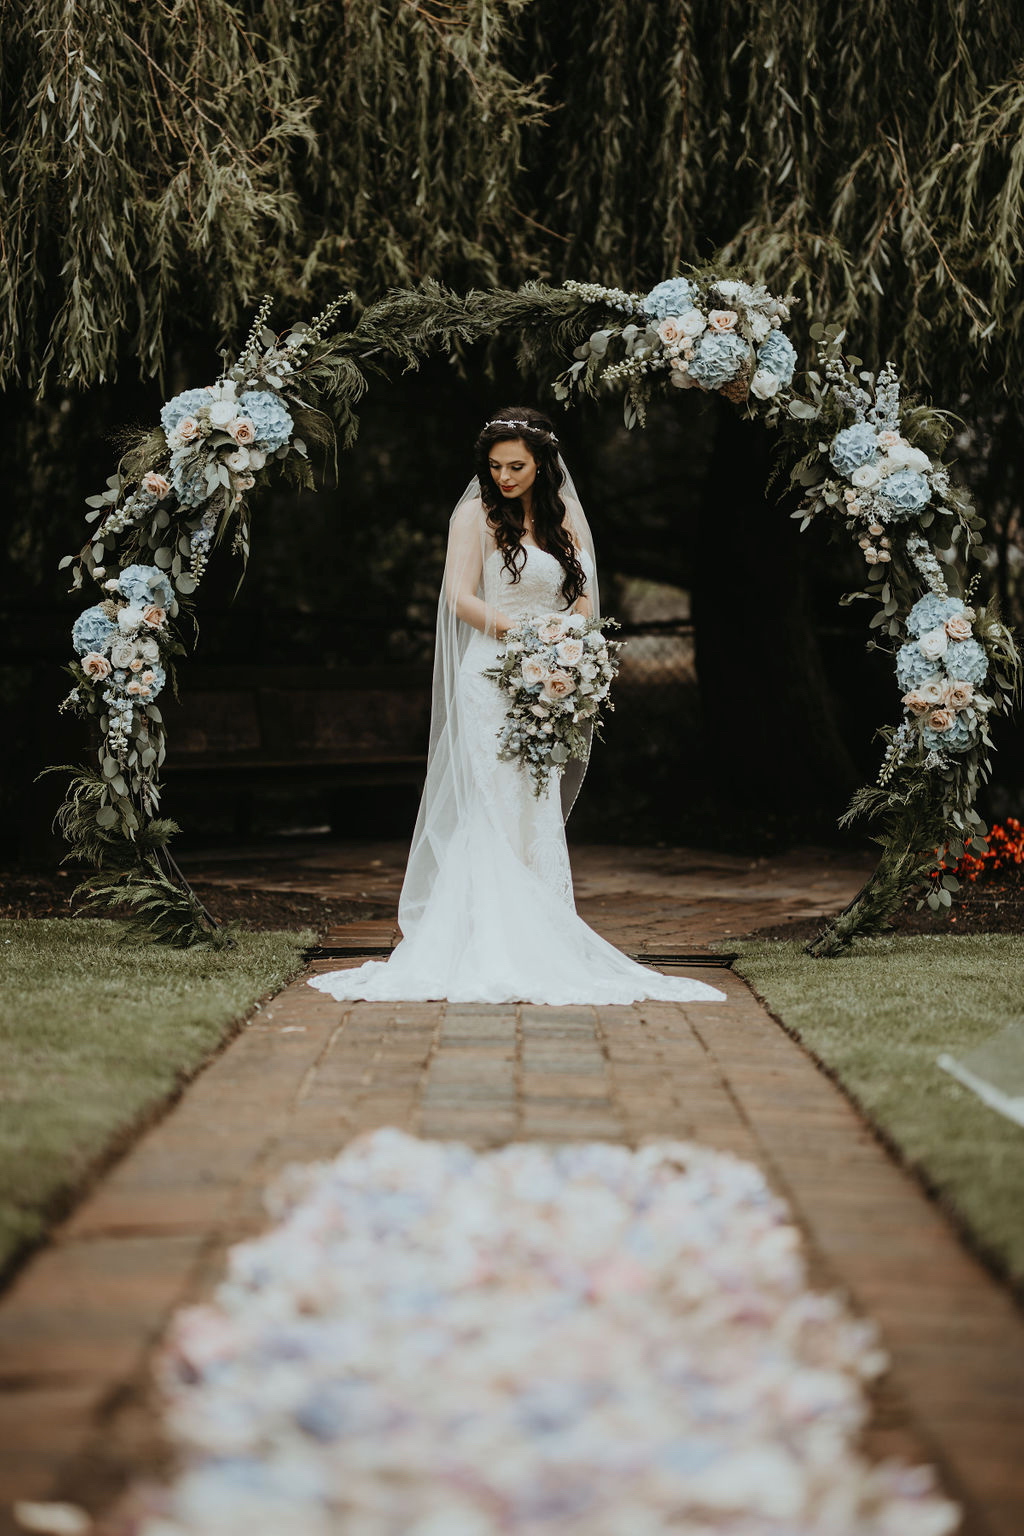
94 1036
878 1018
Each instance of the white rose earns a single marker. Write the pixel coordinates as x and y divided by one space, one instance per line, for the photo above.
122 653
902 456
588 670
692 323
239 459
595 640
865 476
222 413
130 618
112 585
576 622
764 384
760 327
534 670
149 649
257 458
934 643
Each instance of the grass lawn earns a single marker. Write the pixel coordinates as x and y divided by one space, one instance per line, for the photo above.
877 1018
94 1036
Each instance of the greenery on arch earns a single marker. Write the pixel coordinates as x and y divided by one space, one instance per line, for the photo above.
853 448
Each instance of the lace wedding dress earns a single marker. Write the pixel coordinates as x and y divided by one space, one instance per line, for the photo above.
487 910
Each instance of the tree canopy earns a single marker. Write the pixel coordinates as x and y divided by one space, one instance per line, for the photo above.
162 165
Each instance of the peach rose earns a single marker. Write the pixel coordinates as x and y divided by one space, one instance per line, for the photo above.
156 485
958 628
915 702
570 651
134 686
958 694
135 665
242 430
941 719
246 482
889 439
96 666
723 319
559 685
876 529
534 670
551 629
188 429
668 330
154 616
149 677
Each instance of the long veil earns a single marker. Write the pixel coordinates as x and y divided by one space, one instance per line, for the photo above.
449 775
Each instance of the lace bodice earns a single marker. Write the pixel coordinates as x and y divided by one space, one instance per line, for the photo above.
539 588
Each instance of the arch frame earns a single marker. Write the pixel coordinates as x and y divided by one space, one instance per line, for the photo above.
851 447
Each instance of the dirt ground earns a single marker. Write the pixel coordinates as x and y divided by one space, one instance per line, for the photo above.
994 905
45 894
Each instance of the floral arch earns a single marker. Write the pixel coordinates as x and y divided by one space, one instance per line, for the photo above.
856 453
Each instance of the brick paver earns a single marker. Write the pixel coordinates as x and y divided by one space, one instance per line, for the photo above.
78 1327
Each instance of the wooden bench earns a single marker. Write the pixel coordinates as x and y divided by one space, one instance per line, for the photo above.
340 726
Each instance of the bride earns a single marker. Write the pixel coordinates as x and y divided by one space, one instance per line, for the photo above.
486 909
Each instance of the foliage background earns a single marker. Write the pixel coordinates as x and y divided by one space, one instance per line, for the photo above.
159 170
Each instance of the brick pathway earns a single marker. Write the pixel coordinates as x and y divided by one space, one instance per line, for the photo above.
78 1327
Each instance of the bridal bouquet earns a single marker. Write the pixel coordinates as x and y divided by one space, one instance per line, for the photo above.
557 671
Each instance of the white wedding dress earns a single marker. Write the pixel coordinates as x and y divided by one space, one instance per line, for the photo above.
487 910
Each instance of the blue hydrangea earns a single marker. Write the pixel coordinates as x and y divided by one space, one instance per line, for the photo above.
778 355
930 611
671 297
185 404
913 669
717 358
854 446
272 423
905 490
958 738
188 476
966 660
144 584
92 631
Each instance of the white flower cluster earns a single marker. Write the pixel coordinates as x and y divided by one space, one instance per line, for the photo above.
578 1340
595 293
557 671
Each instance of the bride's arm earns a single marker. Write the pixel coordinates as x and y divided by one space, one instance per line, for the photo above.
463 569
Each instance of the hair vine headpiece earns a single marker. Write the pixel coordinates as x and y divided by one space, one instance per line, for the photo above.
531 426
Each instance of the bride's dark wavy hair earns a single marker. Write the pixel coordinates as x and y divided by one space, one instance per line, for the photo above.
505 514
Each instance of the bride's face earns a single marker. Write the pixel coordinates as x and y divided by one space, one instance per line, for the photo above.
513 467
